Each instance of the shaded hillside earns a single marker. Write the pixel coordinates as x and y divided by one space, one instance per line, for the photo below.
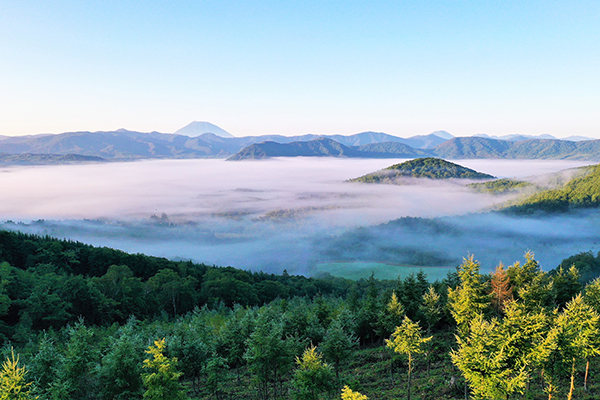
391 149
472 147
325 147
322 147
432 168
583 191
46 159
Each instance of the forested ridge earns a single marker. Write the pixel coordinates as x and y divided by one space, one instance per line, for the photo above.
580 192
81 322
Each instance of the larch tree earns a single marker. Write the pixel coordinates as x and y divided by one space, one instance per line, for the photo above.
501 290
579 335
313 378
431 310
407 340
349 394
498 356
338 344
162 379
469 299
13 385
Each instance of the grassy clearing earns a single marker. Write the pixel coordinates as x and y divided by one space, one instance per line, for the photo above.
362 269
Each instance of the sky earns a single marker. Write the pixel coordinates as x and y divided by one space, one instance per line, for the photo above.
294 67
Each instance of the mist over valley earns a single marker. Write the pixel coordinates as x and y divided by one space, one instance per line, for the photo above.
298 214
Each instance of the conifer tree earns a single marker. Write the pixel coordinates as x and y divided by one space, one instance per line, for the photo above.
269 355
338 344
313 378
431 310
468 300
579 335
390 316
501 289
349 394
498 356
162 380
407 340
13 385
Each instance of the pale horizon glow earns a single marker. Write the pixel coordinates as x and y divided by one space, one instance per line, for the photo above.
254 68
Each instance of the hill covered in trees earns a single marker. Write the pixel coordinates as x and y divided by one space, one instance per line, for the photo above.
46 159
432 168
96 323
582 191
325 147
500 186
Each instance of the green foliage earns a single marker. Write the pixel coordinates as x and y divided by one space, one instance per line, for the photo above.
469 299
269 355
431 309
432 168
120 369
500 186
578 334
13 385
313 379
407 340
583 191
586 263
497 356
77 375
162 380
338 344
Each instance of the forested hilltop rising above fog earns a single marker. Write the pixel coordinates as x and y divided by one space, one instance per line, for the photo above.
82 320
431 168
205 140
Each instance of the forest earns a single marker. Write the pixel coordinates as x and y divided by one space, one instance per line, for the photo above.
83 322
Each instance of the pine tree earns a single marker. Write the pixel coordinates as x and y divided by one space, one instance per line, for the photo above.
313 378
579 335
338 344
349 394
162 381
390 316
498 356
468 300
12 380
407 340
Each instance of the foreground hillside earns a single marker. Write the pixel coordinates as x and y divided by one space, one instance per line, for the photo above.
432 168
95 323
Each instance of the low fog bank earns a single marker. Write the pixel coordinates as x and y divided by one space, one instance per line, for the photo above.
285 213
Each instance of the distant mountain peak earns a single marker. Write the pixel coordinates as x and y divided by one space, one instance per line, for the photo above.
442 134
197 128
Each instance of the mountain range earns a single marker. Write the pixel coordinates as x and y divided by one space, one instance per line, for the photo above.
205 140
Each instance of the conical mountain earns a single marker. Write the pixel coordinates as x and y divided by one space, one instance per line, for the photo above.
198 128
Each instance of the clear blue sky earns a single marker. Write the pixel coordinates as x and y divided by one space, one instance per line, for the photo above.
293 67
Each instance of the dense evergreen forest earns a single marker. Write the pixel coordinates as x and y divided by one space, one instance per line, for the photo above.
81 322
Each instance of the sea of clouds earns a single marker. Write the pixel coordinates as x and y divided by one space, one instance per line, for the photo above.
281 213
